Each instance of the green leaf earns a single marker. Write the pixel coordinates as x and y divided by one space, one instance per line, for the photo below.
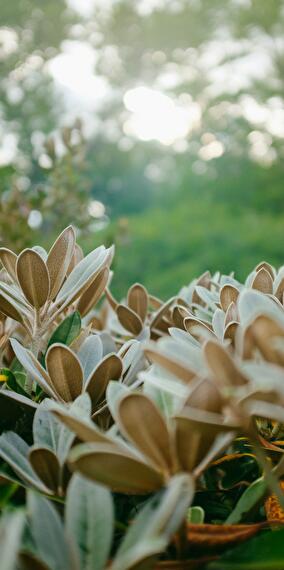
48 533
67 331
11 529
265 552
195 515
249 500
152 529
15 380
89 520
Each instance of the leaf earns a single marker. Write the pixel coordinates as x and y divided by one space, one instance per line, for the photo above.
263 281
252 303
11 381
46 428
196 431
153 527
90 354
82 427
14 450
141 421
137 300
111 466
9 259
48 534
9 310
33 277
110 368
46 466
41 251
79 409
114 392
33 367
89 518
93 293
224 369
228 294
11 530
264 552
14 297
129 320
195 515
250 498
65 372
59 259
173 365
29 561
83 275
67 331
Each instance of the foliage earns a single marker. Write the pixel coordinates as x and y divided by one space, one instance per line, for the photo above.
124 414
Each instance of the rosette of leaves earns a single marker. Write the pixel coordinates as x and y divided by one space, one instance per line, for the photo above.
42 466
208 307
141 314
89 370
151 449
44 286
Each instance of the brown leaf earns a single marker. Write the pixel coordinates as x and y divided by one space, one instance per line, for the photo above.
59 259
9 310
94 292
29 561
121 472
264 329
173 366
263 281
196 432
33 277
205 396
231 331
228 294
129 320
110 368
197 328
65 372
142 423
112 301
231 314
85 431
137 300
268 268
46 466
224 369
204 280
179 314
9 259
161 313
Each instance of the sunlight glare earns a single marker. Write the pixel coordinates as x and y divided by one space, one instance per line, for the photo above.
155 116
